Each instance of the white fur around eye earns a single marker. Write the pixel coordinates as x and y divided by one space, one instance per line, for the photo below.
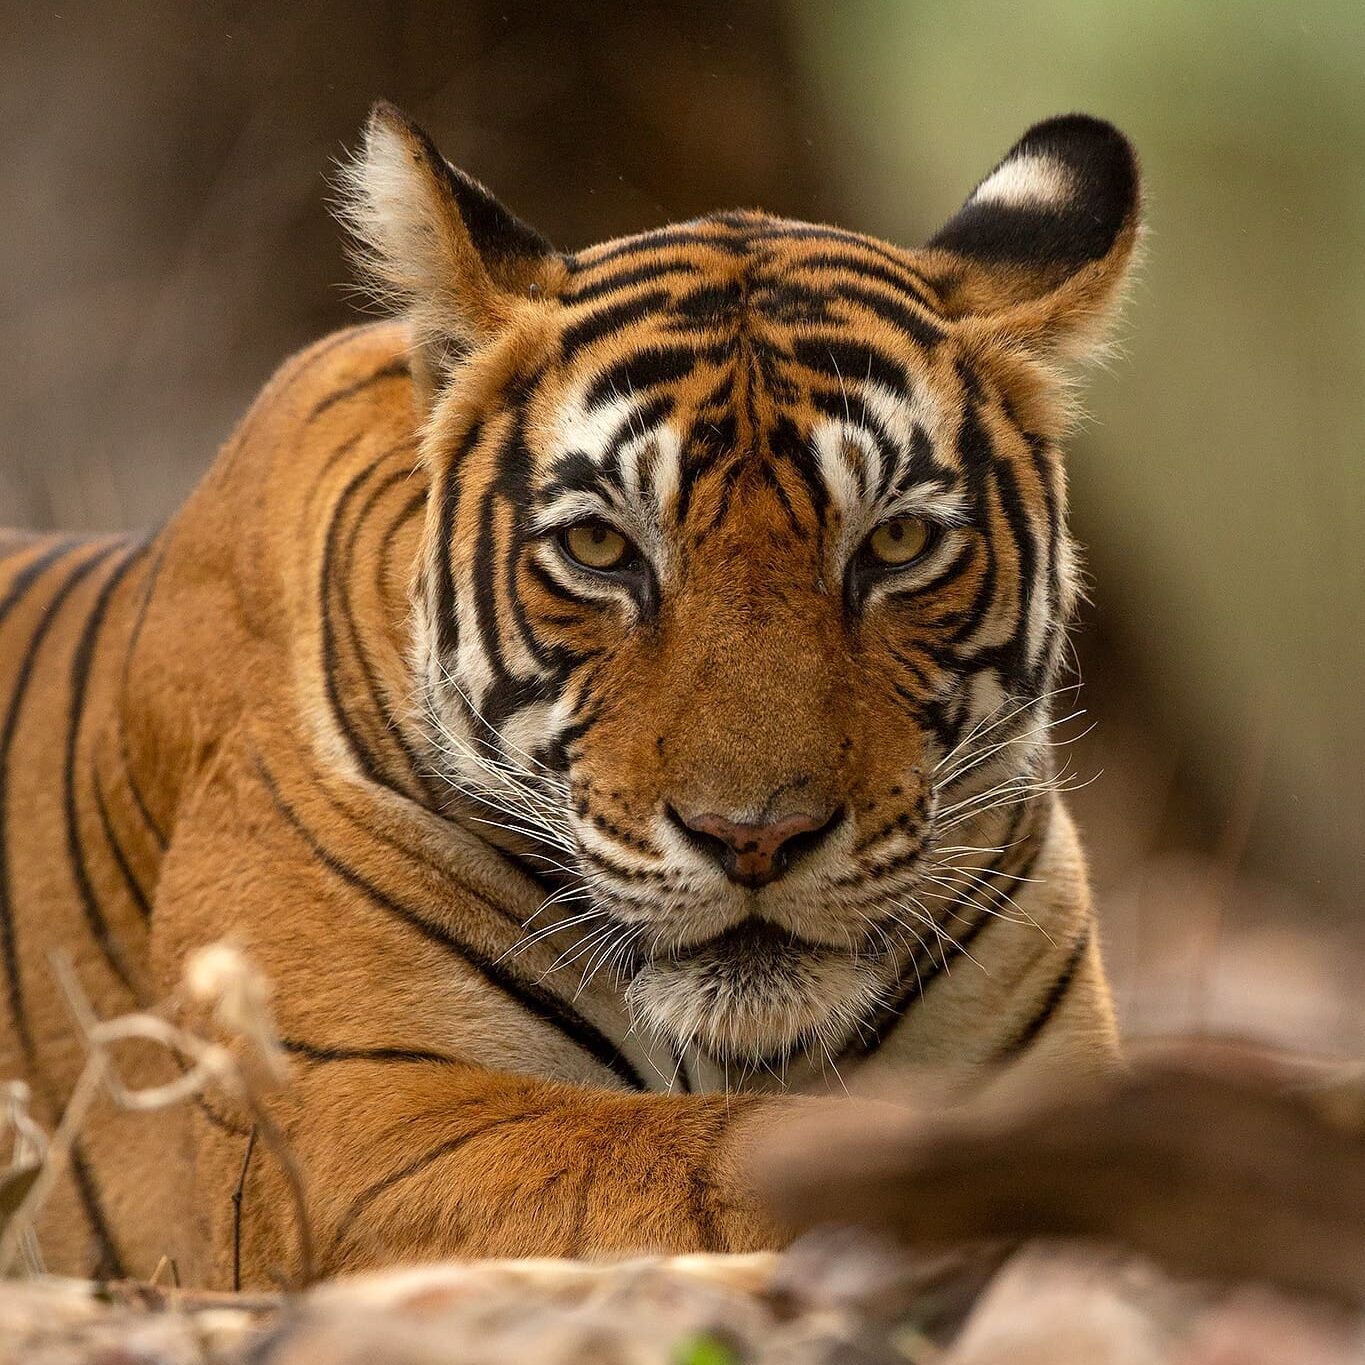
1027 181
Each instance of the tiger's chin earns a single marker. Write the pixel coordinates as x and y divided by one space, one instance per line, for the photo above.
754 996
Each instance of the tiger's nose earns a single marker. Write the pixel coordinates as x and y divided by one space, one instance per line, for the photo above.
755 854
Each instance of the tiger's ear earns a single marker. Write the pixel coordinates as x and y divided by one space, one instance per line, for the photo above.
1039 253
435 245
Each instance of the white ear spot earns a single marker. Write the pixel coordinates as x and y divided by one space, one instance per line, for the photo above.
1027 181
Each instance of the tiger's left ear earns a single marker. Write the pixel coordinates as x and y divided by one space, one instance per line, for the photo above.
1038 255
435 245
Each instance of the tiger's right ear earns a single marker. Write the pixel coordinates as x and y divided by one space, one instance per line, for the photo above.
435 245
1038 255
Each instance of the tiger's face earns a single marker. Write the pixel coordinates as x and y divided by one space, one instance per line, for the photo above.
745 580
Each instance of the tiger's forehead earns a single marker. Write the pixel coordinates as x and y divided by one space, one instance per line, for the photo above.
748 348
750 243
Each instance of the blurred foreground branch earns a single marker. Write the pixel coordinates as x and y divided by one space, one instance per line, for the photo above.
1217 1159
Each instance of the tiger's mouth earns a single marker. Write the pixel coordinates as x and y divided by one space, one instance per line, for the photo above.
757 994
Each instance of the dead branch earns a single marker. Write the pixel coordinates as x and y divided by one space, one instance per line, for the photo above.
1218 1160
238 997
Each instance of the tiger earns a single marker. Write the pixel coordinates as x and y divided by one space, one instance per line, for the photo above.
611 700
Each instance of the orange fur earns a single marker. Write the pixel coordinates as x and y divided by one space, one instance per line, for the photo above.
224 732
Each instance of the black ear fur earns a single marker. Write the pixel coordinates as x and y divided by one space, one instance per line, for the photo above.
503 241
1061 198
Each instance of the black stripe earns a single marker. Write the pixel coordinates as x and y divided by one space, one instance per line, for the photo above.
269 401
379 704
716 305
1044 468
370 1193
898 279
329 580
919 467
312 1052
412 853
851 362
786 443
624 279
954 569
924 974
554 587
907 277
644 369
416 503
447 628
134 637
658 241
699 1195
110 1264
223 1124
772 479
577 471
1051 1002
19 690
605 321
125 867
502 684
531 998
29 574
844 406
701 1188
393 370
578 1244
977 455
81 660
361 754
892 310
1011 657
550 658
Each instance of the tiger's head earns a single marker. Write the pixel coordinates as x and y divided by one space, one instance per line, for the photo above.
745 572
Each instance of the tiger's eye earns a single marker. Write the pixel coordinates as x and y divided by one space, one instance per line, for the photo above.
596 546
896 543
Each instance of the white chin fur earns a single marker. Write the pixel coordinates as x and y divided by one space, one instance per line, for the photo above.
747 1002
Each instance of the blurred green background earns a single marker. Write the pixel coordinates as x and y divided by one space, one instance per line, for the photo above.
163 242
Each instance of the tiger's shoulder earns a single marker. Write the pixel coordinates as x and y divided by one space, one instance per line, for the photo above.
351 387
259 518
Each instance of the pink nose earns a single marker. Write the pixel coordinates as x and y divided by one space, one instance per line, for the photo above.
754 855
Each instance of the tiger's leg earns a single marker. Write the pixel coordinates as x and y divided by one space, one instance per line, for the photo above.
426 1161
411 1143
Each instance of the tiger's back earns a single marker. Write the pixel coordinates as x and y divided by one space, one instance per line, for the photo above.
75 849
128 663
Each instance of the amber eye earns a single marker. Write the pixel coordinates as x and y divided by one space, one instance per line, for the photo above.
896 543
594 545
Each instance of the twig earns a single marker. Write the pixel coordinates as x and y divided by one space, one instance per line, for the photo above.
237 1196
222 978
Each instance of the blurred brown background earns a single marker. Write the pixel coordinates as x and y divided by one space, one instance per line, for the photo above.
164 242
